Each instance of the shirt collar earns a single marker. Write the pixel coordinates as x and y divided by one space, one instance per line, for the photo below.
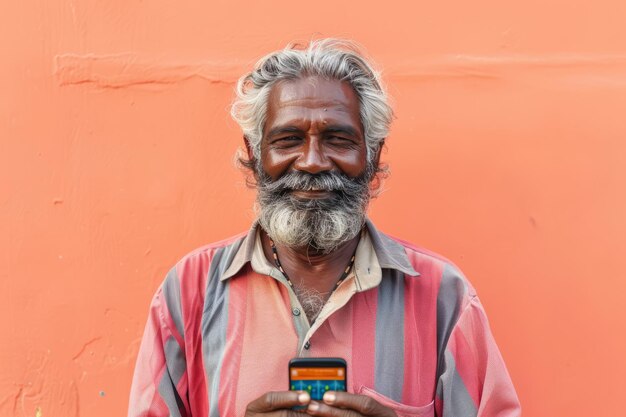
243 255
390 254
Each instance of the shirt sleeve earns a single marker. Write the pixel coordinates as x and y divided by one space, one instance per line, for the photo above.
474 381
159 387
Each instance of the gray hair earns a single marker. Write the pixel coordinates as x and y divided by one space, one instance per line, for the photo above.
328 58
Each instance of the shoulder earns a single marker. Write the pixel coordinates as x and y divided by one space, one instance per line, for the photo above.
192 270
185 285
205 254
450 282
208 251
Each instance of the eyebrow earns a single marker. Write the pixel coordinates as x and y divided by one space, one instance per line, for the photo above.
283 129
342 129
349 130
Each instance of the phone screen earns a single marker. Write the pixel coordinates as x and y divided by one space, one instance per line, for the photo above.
316 380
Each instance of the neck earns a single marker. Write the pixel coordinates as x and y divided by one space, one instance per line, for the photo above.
308 268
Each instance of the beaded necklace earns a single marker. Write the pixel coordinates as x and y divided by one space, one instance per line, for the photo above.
280 267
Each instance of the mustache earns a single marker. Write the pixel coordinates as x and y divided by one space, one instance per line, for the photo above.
304 181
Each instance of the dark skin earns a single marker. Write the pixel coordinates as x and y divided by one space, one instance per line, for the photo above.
314 126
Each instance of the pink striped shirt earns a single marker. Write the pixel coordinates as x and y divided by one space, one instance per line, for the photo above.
224 325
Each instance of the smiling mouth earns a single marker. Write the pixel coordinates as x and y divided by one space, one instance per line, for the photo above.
311 194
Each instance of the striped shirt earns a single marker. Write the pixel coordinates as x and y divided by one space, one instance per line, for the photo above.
224 324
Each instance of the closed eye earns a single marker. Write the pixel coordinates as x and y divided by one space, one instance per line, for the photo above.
287 141
339 138
340 141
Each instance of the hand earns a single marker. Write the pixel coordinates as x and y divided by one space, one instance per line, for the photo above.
343 404
278 404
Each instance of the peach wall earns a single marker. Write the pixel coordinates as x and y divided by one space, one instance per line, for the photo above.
115 160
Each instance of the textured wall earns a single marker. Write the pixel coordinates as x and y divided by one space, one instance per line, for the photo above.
115 160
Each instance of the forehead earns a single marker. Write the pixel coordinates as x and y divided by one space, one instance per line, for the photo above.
311 98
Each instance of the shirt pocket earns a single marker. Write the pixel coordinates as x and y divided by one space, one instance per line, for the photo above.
401 410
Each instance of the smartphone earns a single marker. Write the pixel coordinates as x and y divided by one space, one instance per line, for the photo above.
317 375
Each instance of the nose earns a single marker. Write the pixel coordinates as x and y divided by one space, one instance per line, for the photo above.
313 158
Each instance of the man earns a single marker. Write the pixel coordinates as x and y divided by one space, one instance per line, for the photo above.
313 277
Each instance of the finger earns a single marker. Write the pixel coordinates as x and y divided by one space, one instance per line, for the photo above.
278 400
316 408
363 404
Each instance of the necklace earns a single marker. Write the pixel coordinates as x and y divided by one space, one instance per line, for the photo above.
280 267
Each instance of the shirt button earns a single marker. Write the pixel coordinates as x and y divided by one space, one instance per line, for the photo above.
307 345
296 312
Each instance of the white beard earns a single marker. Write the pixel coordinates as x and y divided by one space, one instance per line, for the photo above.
324 230
323 224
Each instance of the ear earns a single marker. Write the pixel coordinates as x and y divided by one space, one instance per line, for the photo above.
379 151
246 142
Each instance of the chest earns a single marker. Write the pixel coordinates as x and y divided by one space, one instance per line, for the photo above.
387 335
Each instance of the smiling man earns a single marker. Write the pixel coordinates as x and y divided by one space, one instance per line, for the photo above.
313 277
